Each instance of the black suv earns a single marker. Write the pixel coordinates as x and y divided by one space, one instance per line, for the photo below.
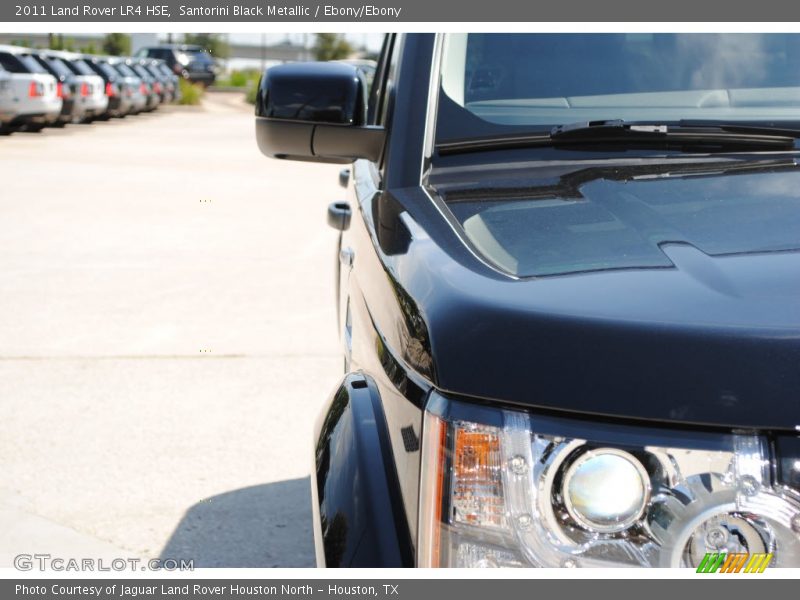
569 299
185 60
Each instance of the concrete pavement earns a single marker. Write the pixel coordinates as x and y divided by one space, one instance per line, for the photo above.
167 336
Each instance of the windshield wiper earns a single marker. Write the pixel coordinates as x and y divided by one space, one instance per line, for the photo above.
617 132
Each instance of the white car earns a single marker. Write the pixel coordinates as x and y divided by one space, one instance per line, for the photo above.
6 106
140 90
88 88
125 93
33 91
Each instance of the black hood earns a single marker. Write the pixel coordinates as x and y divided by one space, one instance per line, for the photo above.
559 219
666 292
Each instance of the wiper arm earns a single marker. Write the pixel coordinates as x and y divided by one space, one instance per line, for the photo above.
618 132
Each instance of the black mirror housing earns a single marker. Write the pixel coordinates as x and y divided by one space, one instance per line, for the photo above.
315 112
313 92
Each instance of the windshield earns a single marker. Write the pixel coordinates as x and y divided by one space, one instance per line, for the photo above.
502 83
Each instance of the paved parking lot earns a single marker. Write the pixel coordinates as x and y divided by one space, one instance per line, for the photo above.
167 336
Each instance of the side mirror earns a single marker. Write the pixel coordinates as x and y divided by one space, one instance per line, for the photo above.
316 112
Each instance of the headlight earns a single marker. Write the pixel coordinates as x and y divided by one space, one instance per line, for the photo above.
605 490
509 489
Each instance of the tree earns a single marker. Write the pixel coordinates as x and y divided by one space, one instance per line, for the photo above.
89 48
58 42
213 43
331 46
117 44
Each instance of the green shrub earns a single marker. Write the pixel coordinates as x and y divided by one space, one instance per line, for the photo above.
240 79
252 89
191 94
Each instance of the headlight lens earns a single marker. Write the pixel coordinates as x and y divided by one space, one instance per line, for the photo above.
503 488
605 490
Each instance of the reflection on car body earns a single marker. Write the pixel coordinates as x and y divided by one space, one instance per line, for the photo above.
188 61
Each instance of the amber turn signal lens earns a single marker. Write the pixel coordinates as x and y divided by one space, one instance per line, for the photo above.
477 477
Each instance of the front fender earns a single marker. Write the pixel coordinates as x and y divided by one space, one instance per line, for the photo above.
359 519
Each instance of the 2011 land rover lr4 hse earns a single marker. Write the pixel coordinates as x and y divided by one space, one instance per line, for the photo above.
569 298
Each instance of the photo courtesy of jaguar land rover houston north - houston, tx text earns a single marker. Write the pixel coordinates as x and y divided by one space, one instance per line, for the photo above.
568 272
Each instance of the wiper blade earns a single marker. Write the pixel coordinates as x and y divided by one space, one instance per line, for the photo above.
685 130
567 185
618 132
743 127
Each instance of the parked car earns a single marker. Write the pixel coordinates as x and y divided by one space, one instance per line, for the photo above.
32 89
122 94
66 89
161 66
81 91
568 283
6 103
151 84
142 88
168 82
129 86
185 60
90 99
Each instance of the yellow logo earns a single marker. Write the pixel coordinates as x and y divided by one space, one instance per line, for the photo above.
720 562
